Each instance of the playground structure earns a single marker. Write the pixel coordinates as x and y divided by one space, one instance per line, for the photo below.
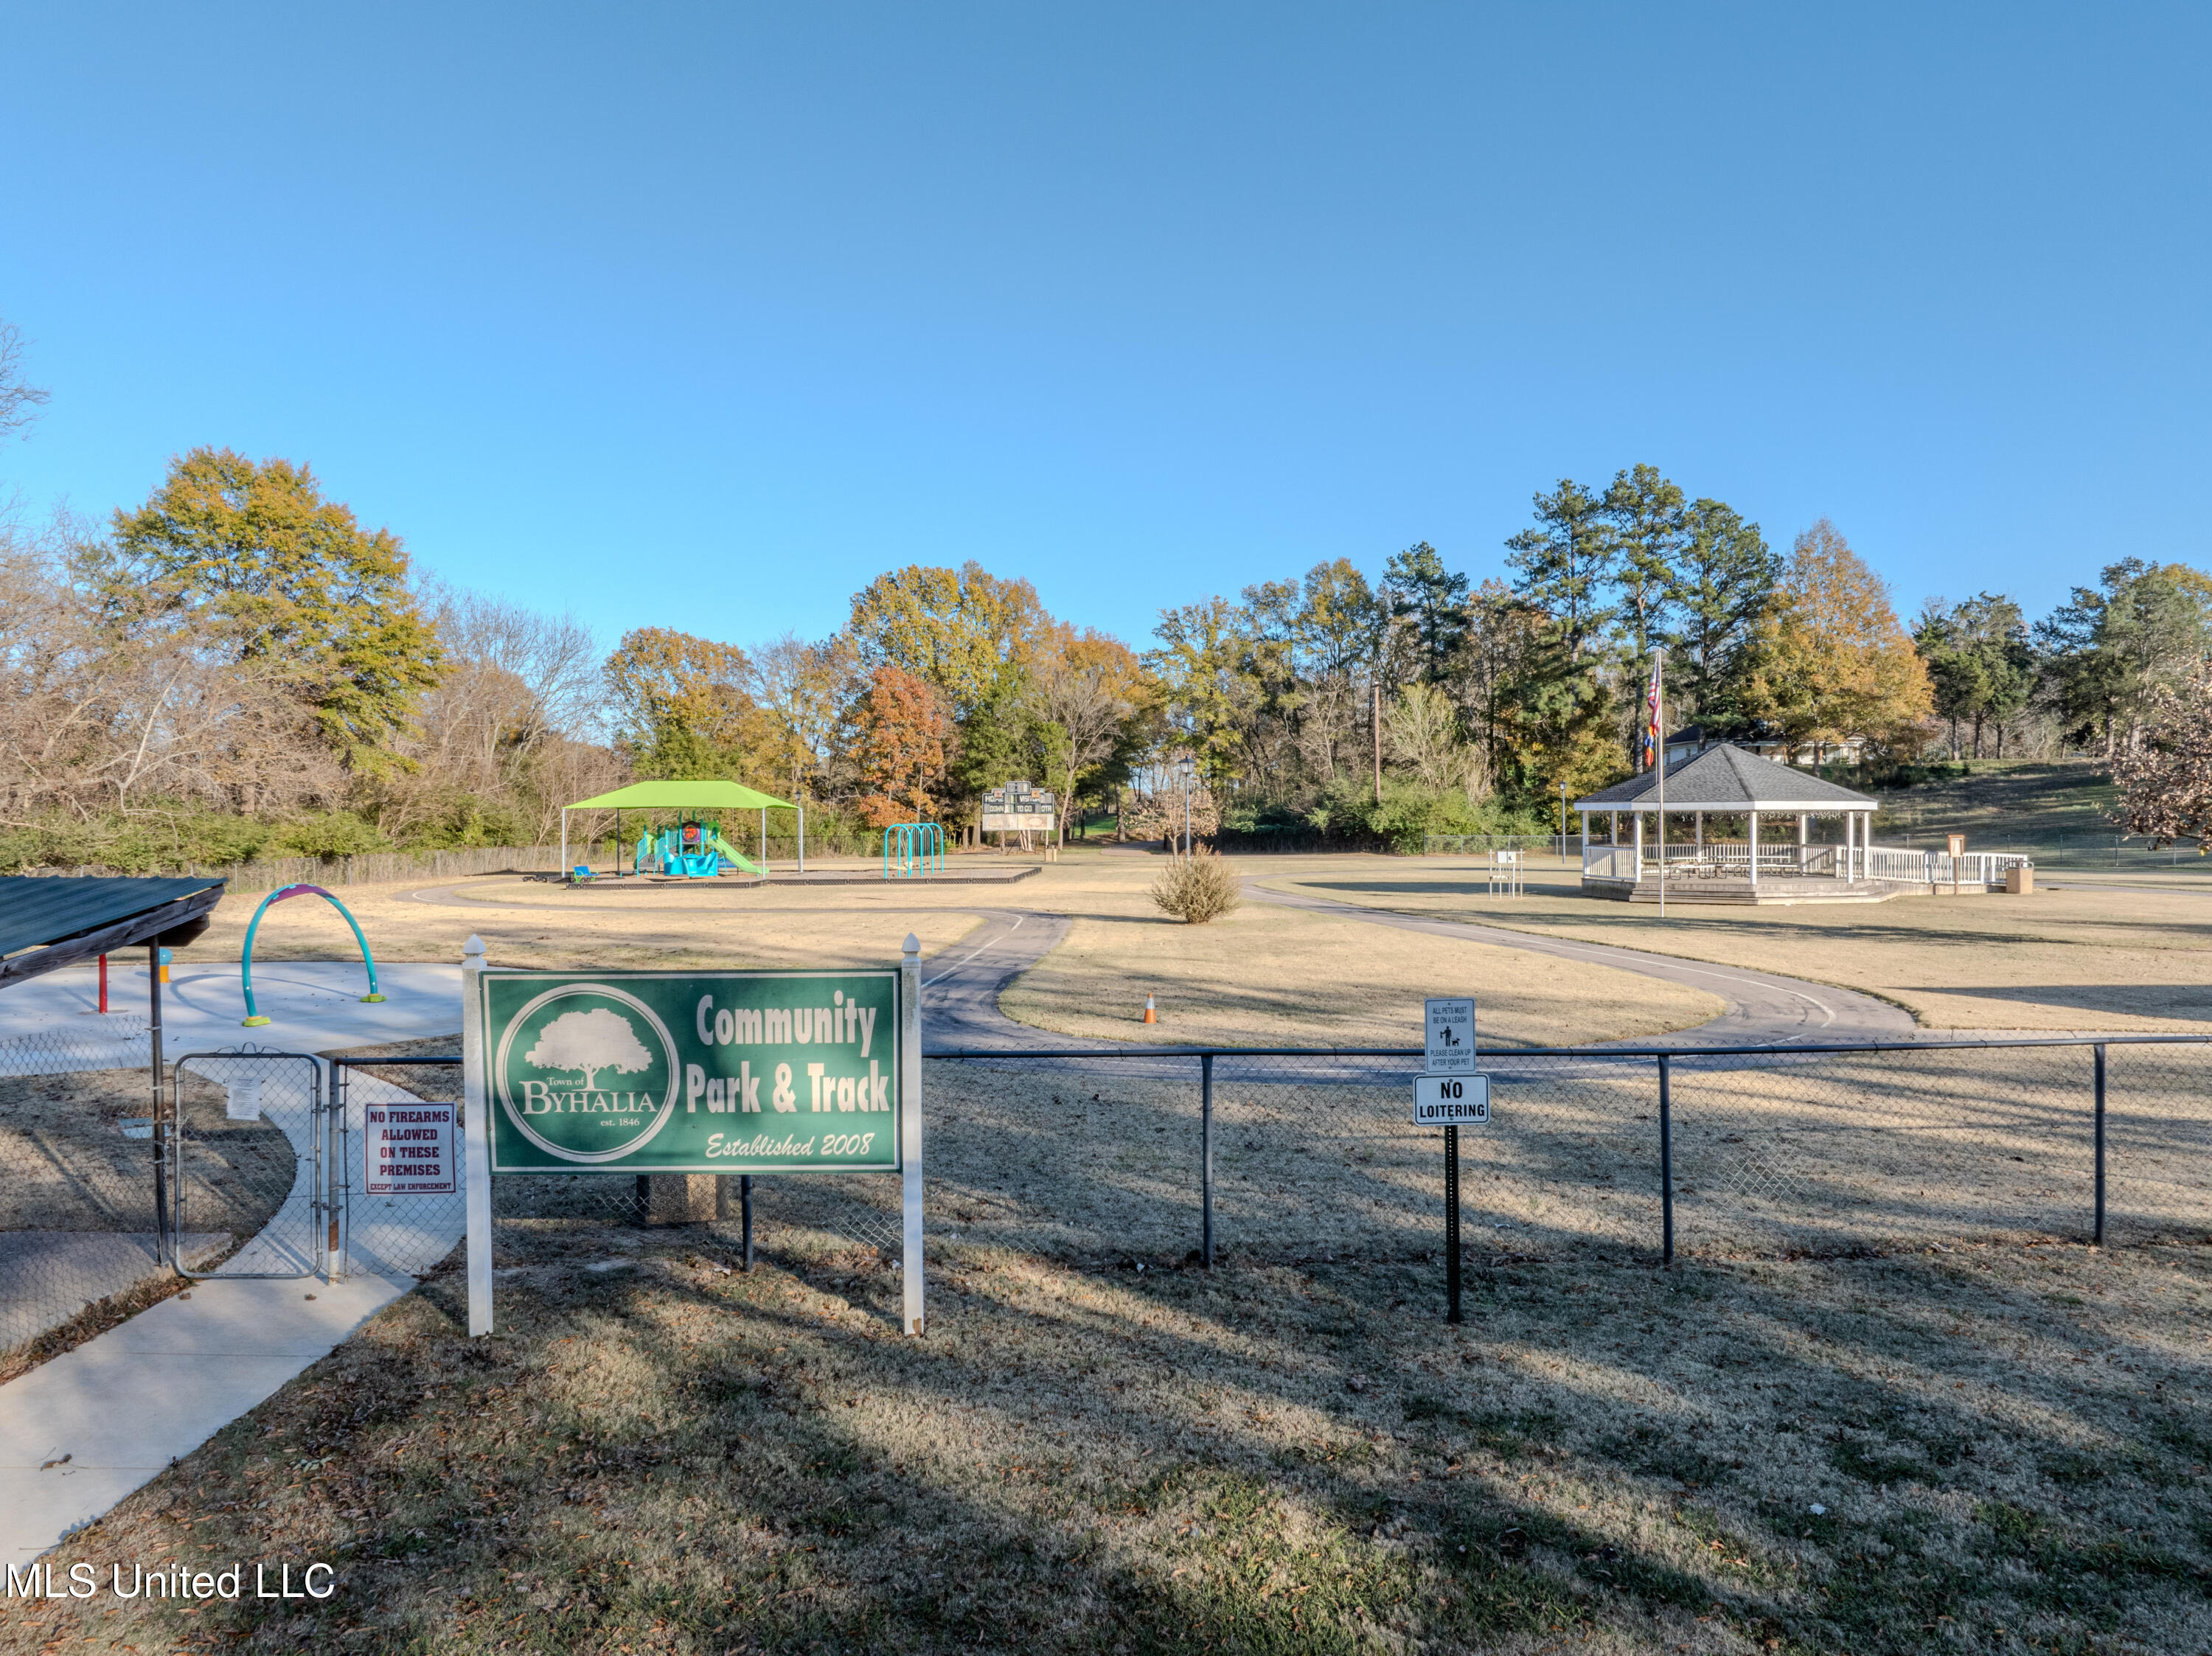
254 1018
912 850
695 848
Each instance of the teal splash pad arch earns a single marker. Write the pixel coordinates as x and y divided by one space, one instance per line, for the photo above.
911 849
246 963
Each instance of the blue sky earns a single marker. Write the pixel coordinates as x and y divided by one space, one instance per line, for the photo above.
701 317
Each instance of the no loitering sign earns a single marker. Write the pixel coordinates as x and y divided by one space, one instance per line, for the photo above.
1451 1101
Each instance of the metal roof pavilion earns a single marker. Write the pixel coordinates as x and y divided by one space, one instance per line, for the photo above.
1726 779
51 922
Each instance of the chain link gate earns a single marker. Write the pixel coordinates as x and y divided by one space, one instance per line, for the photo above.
245 1193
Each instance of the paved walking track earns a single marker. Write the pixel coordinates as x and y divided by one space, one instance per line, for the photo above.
83 1430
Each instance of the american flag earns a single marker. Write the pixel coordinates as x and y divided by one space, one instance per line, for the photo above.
1651 737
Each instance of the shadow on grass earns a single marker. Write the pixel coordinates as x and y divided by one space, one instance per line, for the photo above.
680 1458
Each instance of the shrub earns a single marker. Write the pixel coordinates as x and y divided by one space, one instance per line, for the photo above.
1196 889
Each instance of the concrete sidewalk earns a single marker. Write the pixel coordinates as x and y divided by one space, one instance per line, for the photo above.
313 1006
83 1431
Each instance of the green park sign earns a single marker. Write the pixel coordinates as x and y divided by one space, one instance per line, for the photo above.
741 1072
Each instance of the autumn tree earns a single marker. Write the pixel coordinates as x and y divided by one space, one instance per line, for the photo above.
1831 663
804 690
682 705
249 560
899 737
1085 690
964 631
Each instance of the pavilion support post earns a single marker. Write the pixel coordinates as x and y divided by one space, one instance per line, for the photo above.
1754 853
1804 840
1844 862
1585 816
1639 847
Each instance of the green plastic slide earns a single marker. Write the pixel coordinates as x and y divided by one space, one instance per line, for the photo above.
732 854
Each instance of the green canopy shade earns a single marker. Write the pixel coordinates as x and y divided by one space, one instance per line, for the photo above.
682 796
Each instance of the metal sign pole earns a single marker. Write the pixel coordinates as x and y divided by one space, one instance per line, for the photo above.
476 1127
911 1125
1205 1157
1451 1222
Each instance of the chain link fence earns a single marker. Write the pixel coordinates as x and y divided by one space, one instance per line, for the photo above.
1775 1153
1140 1156
572 1218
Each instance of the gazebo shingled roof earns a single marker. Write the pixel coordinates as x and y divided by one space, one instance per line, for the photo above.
1727 778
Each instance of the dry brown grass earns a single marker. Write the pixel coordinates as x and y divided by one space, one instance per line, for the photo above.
537 923
1266 975
1291 1453
2104 958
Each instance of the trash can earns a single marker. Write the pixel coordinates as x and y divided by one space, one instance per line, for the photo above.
2020 881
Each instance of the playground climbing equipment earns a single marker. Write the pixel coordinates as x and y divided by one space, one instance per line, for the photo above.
693 850
913 851
254 1017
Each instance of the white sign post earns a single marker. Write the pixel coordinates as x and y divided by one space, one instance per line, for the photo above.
1447 1093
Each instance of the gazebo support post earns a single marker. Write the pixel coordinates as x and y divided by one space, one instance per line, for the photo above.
1638 816
1754 852
1585 816
1804 840
1844 862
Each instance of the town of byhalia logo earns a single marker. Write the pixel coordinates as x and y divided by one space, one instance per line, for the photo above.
587 1073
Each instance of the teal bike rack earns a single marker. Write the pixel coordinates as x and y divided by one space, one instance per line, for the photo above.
911 849
254 1018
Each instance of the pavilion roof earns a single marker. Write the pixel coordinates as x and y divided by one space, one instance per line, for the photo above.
699 795
1728 778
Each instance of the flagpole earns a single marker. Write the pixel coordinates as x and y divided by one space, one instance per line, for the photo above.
1659 750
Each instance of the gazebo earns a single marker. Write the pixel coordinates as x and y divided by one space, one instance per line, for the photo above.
677 795
1720 789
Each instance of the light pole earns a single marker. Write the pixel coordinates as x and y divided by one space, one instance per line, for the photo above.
1187 768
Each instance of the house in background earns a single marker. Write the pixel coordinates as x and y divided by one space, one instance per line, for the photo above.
1693 739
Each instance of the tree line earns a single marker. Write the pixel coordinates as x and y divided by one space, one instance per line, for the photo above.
239 667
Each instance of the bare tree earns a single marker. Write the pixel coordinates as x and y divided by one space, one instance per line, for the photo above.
1088 706
19 402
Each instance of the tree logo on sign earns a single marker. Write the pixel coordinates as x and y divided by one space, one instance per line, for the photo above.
587 1073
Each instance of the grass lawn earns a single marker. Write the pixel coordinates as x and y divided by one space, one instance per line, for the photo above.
2007 1448
2106 956
2001 804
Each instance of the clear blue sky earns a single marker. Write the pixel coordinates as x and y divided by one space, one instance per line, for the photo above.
702 315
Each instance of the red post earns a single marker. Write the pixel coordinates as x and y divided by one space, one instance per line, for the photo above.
103 982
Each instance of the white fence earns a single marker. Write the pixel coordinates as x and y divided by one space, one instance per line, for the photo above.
1732 859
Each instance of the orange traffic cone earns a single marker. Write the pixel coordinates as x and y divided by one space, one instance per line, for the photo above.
1151 1017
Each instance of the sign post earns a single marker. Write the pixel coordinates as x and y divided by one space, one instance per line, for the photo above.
686 1077
1448 1092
